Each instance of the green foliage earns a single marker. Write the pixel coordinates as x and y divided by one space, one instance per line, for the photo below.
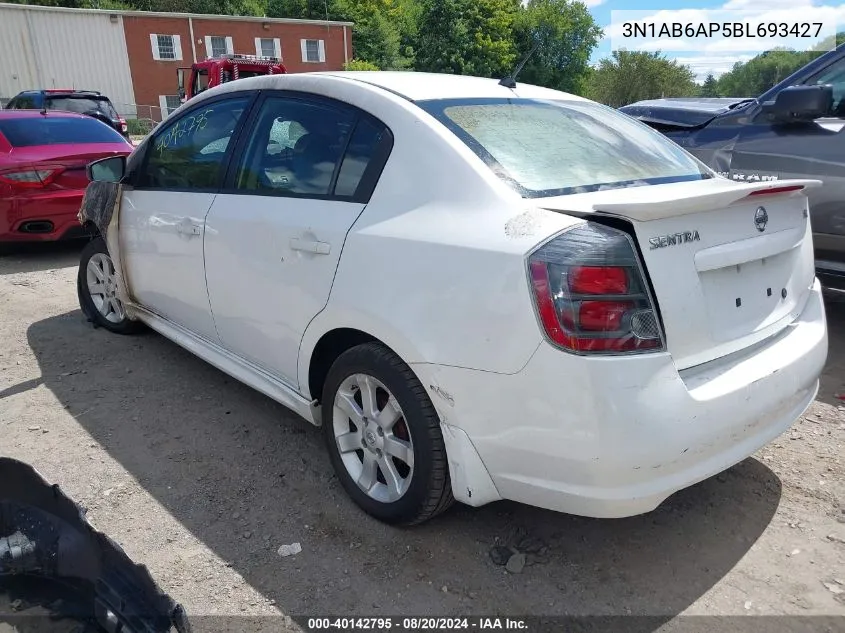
565 35
359 64
466 37
760 73
710 87
629 76
757 75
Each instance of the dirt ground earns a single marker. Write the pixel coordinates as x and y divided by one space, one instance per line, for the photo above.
202 480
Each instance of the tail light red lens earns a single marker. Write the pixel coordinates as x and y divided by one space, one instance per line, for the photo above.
598 280
30 178
591 295
123 126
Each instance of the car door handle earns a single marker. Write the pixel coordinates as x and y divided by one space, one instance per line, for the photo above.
310 246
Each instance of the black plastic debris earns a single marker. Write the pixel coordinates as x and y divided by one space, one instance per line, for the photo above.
57 573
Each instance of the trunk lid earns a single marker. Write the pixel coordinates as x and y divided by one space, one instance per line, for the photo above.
731 264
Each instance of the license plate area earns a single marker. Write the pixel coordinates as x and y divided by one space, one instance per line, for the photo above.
748 297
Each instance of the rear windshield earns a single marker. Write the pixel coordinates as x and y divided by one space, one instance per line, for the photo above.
51 130
81 105
550 148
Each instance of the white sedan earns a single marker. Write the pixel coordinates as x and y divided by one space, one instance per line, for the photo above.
479 292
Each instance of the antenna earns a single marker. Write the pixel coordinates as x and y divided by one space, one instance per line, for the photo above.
510 80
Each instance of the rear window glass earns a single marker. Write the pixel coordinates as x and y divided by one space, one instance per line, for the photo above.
29 131
546 148
81 105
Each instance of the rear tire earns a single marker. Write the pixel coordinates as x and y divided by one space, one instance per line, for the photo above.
392 462
97 290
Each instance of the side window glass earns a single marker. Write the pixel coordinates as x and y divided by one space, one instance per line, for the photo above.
362 147
190 152
294 148
835 76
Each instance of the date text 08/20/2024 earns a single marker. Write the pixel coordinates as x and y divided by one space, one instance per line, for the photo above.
415 624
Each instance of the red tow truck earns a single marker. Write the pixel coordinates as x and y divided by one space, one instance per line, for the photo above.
218 70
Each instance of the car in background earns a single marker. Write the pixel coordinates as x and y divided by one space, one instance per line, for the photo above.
43 156
480 290
88 102
796 129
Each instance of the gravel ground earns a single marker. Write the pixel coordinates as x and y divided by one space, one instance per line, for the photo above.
202 480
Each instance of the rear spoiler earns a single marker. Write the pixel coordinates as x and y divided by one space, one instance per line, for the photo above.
653 203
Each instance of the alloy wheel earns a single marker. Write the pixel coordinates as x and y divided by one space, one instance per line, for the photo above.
373 438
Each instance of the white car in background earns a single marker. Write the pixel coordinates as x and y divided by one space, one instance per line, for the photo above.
479 292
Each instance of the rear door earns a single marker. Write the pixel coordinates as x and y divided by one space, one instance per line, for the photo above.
162 218
305 171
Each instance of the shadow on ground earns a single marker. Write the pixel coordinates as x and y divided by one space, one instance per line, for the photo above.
28 258
225 460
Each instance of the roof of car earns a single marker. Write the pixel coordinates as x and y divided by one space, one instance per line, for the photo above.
413 86
419 86
31 114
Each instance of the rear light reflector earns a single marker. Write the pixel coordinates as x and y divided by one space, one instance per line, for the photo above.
30 177
773 190
590 293
603 316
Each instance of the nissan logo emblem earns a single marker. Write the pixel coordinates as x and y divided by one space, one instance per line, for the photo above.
761 218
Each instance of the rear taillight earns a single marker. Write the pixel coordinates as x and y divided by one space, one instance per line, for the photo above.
590 293
123 127
30 178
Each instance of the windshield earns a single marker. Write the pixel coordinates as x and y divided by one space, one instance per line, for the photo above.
81 105
25 132
548 148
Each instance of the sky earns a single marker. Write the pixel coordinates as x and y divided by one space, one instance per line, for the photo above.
713 55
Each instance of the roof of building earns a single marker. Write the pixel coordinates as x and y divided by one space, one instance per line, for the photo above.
161 14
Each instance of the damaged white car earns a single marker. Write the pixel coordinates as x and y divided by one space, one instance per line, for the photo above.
479 291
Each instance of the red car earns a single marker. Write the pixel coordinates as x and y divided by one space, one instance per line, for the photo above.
43 156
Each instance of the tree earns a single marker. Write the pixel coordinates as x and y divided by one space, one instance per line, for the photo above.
466 37
629 76
565 34
760 73
710 87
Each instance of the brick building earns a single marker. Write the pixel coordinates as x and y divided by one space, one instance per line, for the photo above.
132 56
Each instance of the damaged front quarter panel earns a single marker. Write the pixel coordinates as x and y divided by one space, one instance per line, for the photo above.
100 210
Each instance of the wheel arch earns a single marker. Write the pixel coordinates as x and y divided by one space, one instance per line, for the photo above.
328 336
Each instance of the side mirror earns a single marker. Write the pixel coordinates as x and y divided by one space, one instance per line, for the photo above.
109 169
800 103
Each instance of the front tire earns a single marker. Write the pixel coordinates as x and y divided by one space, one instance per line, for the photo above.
96 287
383 437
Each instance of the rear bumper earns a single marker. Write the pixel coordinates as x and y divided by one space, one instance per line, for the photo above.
60 209
614 437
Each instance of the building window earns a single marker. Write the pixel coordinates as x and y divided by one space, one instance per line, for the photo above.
166 47
267 47
168 104
218 46
313 51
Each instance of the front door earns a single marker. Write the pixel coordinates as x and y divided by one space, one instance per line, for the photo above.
274 236
162 217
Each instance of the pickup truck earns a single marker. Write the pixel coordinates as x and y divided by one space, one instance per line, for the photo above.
794 130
